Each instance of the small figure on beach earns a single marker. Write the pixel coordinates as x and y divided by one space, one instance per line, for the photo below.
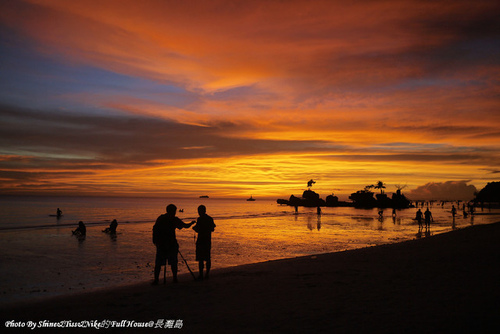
81 230
112 227
204 227
165 241
418 218
318 210
58 213
453 211
428 218
380 214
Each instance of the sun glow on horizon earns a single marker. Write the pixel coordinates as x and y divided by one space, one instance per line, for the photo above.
166 97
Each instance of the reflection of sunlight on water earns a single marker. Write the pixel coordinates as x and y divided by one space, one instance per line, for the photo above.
336 229
42 262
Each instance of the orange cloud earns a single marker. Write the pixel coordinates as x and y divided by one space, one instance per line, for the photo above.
395 89
218 45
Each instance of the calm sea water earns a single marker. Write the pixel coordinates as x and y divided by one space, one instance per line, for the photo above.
40 257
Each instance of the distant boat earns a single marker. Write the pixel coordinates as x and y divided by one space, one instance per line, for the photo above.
204 196
251 199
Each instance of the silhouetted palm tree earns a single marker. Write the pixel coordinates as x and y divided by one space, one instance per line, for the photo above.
380 185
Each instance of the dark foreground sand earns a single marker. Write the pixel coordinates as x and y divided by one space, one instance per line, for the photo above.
447 283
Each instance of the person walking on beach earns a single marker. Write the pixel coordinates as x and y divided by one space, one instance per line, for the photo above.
453 211
428 218
165 241
204 227
418 218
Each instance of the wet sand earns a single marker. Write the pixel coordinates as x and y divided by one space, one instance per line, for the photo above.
446 283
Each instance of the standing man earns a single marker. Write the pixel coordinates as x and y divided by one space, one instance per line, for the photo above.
428 218
166 242
204 227
418 218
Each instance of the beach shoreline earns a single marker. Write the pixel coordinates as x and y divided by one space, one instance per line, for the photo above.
444 283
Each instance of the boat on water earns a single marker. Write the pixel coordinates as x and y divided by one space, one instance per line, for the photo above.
204 196
251 199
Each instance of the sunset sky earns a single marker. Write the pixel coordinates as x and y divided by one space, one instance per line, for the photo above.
240 98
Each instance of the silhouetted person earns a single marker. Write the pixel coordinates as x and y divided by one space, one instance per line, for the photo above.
112 227
318 210
453 211
428 218
59 213
204 227
418 218
81 230
310 183
166 242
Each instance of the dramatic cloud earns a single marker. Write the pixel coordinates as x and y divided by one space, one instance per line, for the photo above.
450 190
116 94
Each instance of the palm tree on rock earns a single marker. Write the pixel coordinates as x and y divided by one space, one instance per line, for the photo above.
380 185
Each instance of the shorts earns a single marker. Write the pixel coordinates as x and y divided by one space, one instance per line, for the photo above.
203 252
165 255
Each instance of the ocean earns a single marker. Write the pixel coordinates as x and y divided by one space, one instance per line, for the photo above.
40 257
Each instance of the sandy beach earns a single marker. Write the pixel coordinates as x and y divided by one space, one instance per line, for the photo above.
446 283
